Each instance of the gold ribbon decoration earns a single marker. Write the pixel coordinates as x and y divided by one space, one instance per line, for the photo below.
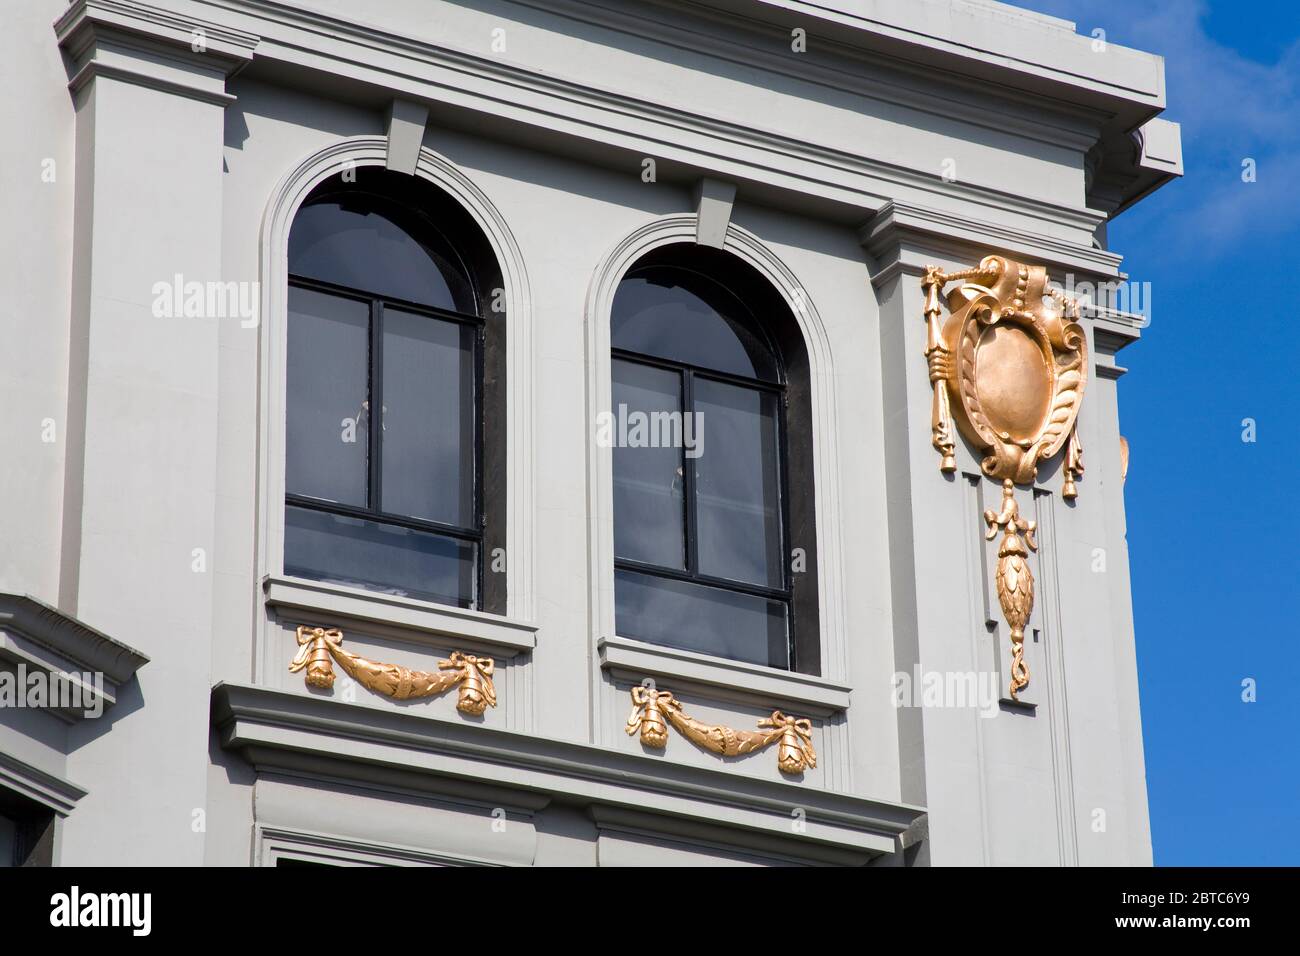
653 711
319 646
314 654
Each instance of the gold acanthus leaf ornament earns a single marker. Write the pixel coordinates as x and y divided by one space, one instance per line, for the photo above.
653 711
319 647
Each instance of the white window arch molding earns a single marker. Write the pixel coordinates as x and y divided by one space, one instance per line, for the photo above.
827 691
510 633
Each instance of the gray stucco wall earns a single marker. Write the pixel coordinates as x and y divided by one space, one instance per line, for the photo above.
855 165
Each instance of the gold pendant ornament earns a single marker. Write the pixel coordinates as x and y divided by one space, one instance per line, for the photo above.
654 710
319 647
1009 366
1015 582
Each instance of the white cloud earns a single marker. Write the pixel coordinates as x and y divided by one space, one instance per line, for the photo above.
1230 107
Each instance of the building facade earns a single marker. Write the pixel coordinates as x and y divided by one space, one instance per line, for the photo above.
547 432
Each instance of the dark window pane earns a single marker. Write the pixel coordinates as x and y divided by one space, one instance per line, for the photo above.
371 246
685 317
326 442
649 511
698 618
428 418
738 501
8 842
379 557
26 831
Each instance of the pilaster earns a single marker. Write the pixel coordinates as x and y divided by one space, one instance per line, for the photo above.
138 518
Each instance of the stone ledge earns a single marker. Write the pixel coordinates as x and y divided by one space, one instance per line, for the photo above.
316 603
51 791
750 684
279 731
45 639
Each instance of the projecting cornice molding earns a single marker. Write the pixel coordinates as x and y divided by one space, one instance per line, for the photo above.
904 237
152 47
573 116
52 791
276 730
46 640
85 20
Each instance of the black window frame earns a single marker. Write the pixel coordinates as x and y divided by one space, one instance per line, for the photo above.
376 303
688 372
33 825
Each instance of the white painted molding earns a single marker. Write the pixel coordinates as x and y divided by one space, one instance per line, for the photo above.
331 849
47 789
669 230
309 735
406 124
750 685
503 92
406 619
714 200
282 206
903 236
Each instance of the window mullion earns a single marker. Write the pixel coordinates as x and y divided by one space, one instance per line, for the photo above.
376 422
688 478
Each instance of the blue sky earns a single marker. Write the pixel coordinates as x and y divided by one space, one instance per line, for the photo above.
1214 521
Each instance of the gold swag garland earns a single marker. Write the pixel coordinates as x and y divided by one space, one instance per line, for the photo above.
319 647
654 710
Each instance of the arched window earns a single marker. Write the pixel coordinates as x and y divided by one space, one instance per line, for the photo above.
390 339
701 463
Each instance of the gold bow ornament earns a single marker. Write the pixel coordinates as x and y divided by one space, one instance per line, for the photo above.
654 710
319 648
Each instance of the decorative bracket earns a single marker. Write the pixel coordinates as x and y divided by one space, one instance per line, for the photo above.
653 710
1010 365
318 647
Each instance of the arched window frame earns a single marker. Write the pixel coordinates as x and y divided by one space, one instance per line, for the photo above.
723 272
418 225
612 653
508 633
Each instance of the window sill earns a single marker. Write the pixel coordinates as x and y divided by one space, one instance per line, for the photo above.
408 619
751 684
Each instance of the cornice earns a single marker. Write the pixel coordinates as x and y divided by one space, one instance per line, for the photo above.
752 43
279 729
86 20
1113 330
54 792
64 635
151 47
986 41
761 160
92 70
902 234
41 638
